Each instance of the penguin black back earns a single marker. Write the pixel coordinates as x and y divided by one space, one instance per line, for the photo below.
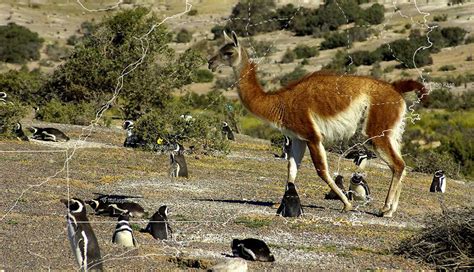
290 205
123 233
159 226
227 131
252 249
48 134
18 130
84 244
439 182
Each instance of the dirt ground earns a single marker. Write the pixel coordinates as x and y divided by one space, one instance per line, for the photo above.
226 197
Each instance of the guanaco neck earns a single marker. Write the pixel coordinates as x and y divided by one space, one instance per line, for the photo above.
269 107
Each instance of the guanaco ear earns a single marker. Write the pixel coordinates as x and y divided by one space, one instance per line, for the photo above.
234 37
226 37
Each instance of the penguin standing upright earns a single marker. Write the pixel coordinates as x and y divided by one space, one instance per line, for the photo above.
252 249
290 204
286 148
358 188
178 166
48 134
159 226
123 234
339 179
81 236
439 182
360 156
20 135
227 131
132 139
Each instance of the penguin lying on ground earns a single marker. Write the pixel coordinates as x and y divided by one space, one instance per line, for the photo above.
123 234
132 208
290 204
439 182
178 166
340 183
114 205
358 188
252 249
159 226
360 156
227 131
48 134
20 135
81 236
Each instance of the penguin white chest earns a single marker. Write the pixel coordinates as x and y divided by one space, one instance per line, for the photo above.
76 249
124 238
359 192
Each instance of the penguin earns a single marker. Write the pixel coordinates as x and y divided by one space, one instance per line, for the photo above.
290 204
358 188
439 182
48 134
159 226
3 97
123 234
20 135
81 236
360 156
132 208
252 249
178 166
339 179
286 148
227 131
132 139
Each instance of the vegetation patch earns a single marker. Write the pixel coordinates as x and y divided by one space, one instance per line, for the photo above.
254 222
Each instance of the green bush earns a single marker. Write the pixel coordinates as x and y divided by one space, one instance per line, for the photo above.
23 85
294 75
57 112
56 52
204 75
453 35
289 56
184 36
335 40
10 114
440 18
263 48
259 14
18 44
448 67
192 12
305 51
364 57
359 34
340 63
374 15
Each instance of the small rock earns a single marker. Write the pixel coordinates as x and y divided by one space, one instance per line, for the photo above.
233 265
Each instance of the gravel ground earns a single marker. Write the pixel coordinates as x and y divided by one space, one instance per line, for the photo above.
233 196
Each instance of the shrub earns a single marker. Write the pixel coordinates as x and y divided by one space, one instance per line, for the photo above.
225 83
289 56
184 36
335 40
359 34
340 63
453 35
374 15
22 85
72 40
56 52
57 112
204 75
447 241
10 113
305 51
448 67
364 57
259 14
262 48
403 50
469 39
218 30
440 18
294 75
18 44
193 12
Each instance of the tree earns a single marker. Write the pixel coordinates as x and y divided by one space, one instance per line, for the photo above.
18 44
92 71
247 17
305 51
183 36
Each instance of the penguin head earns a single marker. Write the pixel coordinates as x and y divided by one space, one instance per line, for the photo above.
33 129
290 186
163 210
224 124
74 205
124 216
439 173
17 127
93 203
127 124
287 141
339 179
235 246
3 95
357 178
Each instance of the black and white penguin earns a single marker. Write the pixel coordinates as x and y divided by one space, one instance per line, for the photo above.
132 208
48 134
439 182
3 97
114 205
339 179
132 139
286 148
178 166
358 188
227 131
290 204
252 249
360 156
159 226
123 234
81 236
20 135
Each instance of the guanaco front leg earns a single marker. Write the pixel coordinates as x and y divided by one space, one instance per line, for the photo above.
318 155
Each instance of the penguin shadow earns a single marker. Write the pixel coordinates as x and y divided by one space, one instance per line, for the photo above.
238 201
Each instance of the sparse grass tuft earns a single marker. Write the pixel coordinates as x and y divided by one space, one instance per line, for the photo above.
253 222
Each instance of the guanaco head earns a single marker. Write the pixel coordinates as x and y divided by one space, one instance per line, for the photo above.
229 54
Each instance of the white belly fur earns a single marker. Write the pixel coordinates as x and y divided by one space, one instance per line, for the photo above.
124 238
358 192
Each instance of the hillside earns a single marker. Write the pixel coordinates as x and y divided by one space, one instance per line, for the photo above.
225 197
